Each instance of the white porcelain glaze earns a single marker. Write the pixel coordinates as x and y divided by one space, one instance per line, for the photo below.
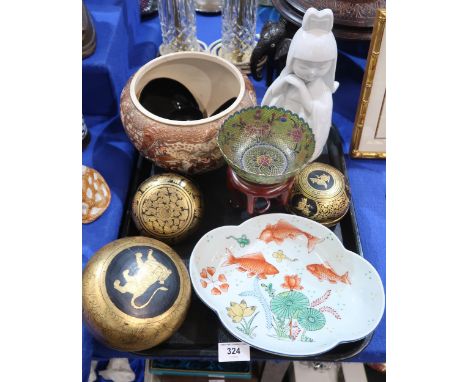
306 84
322 314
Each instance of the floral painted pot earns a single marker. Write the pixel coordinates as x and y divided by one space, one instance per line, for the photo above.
185 146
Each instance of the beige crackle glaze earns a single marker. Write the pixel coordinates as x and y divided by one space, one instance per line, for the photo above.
185 146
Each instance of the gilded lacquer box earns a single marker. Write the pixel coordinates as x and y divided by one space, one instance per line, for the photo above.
136 292
320 192
168 207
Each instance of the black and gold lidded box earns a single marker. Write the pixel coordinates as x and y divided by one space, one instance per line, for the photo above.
321 193
136 293
168 207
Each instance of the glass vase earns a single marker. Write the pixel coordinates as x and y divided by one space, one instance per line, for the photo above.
238 30
178 27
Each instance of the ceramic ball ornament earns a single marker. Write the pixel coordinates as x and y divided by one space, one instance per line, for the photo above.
306 84
136 293
95 195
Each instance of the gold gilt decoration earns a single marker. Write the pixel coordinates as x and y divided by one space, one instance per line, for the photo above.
303 206
369 74
149 272
168 207
320 193
136 293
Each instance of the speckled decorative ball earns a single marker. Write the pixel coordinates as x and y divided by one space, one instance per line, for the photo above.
320 192
95 195
168 207
136 293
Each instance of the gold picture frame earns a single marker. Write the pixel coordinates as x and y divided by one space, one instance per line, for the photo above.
368 140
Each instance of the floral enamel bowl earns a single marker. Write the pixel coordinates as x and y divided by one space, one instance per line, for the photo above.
286 285
266 145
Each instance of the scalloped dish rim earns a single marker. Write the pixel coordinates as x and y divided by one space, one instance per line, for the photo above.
194 271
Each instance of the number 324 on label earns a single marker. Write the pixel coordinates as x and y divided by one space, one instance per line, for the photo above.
233 351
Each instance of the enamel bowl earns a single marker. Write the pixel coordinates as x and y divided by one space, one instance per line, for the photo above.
265 144
286 285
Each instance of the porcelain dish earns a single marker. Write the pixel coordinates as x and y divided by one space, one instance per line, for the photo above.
266 145
286 285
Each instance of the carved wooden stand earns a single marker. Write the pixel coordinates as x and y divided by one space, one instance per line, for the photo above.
253 192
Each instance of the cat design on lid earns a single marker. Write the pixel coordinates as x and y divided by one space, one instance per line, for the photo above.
149 272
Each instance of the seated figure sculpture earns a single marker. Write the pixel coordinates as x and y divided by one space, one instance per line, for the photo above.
306 84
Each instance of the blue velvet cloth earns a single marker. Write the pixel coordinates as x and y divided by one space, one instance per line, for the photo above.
124 43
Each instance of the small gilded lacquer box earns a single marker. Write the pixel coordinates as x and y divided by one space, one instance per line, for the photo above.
168 207
320 192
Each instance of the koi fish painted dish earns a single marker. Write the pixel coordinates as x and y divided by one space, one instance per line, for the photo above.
289 288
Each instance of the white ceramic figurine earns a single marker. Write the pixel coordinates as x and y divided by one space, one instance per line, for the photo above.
306 84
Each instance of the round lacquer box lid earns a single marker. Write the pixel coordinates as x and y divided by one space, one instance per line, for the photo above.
136 292
320 192
168 207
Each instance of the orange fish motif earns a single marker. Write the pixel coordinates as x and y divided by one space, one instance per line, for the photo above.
283 230
326 272
254 263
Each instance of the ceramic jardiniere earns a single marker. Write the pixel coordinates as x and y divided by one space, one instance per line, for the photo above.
185 146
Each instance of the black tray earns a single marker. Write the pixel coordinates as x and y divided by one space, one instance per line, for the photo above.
199 335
